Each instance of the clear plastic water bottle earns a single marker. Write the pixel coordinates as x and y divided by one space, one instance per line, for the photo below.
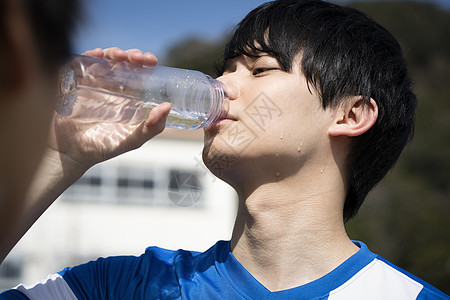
103 90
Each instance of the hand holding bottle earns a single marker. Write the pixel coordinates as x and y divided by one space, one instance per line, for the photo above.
89 143
75 146
87 84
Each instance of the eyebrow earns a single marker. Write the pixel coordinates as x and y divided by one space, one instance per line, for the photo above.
249 53
228 63
233 61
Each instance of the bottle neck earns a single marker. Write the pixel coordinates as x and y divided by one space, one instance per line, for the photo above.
220 101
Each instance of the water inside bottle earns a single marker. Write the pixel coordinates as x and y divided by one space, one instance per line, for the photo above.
96 91
92 106
175 119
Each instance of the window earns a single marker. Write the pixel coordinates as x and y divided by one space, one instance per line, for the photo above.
135 185
10 273
132 184
184 188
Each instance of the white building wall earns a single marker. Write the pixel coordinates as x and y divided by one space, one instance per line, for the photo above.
73 231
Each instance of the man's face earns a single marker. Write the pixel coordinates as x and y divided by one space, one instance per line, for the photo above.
275 123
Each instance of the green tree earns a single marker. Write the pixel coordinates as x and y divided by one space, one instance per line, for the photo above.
195 53
405 218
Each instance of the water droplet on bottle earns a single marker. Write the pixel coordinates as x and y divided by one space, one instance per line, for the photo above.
122 85
299 148
281 136
277 173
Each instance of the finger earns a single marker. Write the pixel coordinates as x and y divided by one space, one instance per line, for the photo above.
154 125
115 53
135 56
134 50
97 52
156 120
150 59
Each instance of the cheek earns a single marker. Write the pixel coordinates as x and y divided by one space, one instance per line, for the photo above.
274 117
297 120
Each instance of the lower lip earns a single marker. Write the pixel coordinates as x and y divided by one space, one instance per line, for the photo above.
222 122
225 121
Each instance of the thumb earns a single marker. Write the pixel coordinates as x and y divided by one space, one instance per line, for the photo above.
156 121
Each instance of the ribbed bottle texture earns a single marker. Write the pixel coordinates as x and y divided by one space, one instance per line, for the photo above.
102 90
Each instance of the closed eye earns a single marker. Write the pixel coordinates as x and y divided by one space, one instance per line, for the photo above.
259 71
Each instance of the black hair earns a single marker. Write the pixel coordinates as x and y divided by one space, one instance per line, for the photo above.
51 23
344 53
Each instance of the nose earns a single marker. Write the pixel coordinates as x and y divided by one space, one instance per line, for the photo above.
231 84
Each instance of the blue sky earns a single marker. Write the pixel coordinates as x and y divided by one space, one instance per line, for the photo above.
155 25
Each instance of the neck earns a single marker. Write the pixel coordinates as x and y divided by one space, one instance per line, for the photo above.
290 232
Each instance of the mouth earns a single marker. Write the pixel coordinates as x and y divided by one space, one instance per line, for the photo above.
227 118
224 121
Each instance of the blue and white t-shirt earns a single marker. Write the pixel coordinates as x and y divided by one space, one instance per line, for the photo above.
216 274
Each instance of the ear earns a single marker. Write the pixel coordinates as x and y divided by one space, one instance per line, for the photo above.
354 117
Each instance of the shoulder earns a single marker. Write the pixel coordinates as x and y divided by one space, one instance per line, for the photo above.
408 281
381 279
185 257
156 273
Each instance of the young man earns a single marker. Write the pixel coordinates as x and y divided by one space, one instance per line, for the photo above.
338 112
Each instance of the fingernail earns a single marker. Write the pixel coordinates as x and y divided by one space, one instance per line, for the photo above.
165 105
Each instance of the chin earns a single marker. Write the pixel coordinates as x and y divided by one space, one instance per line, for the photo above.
219 158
